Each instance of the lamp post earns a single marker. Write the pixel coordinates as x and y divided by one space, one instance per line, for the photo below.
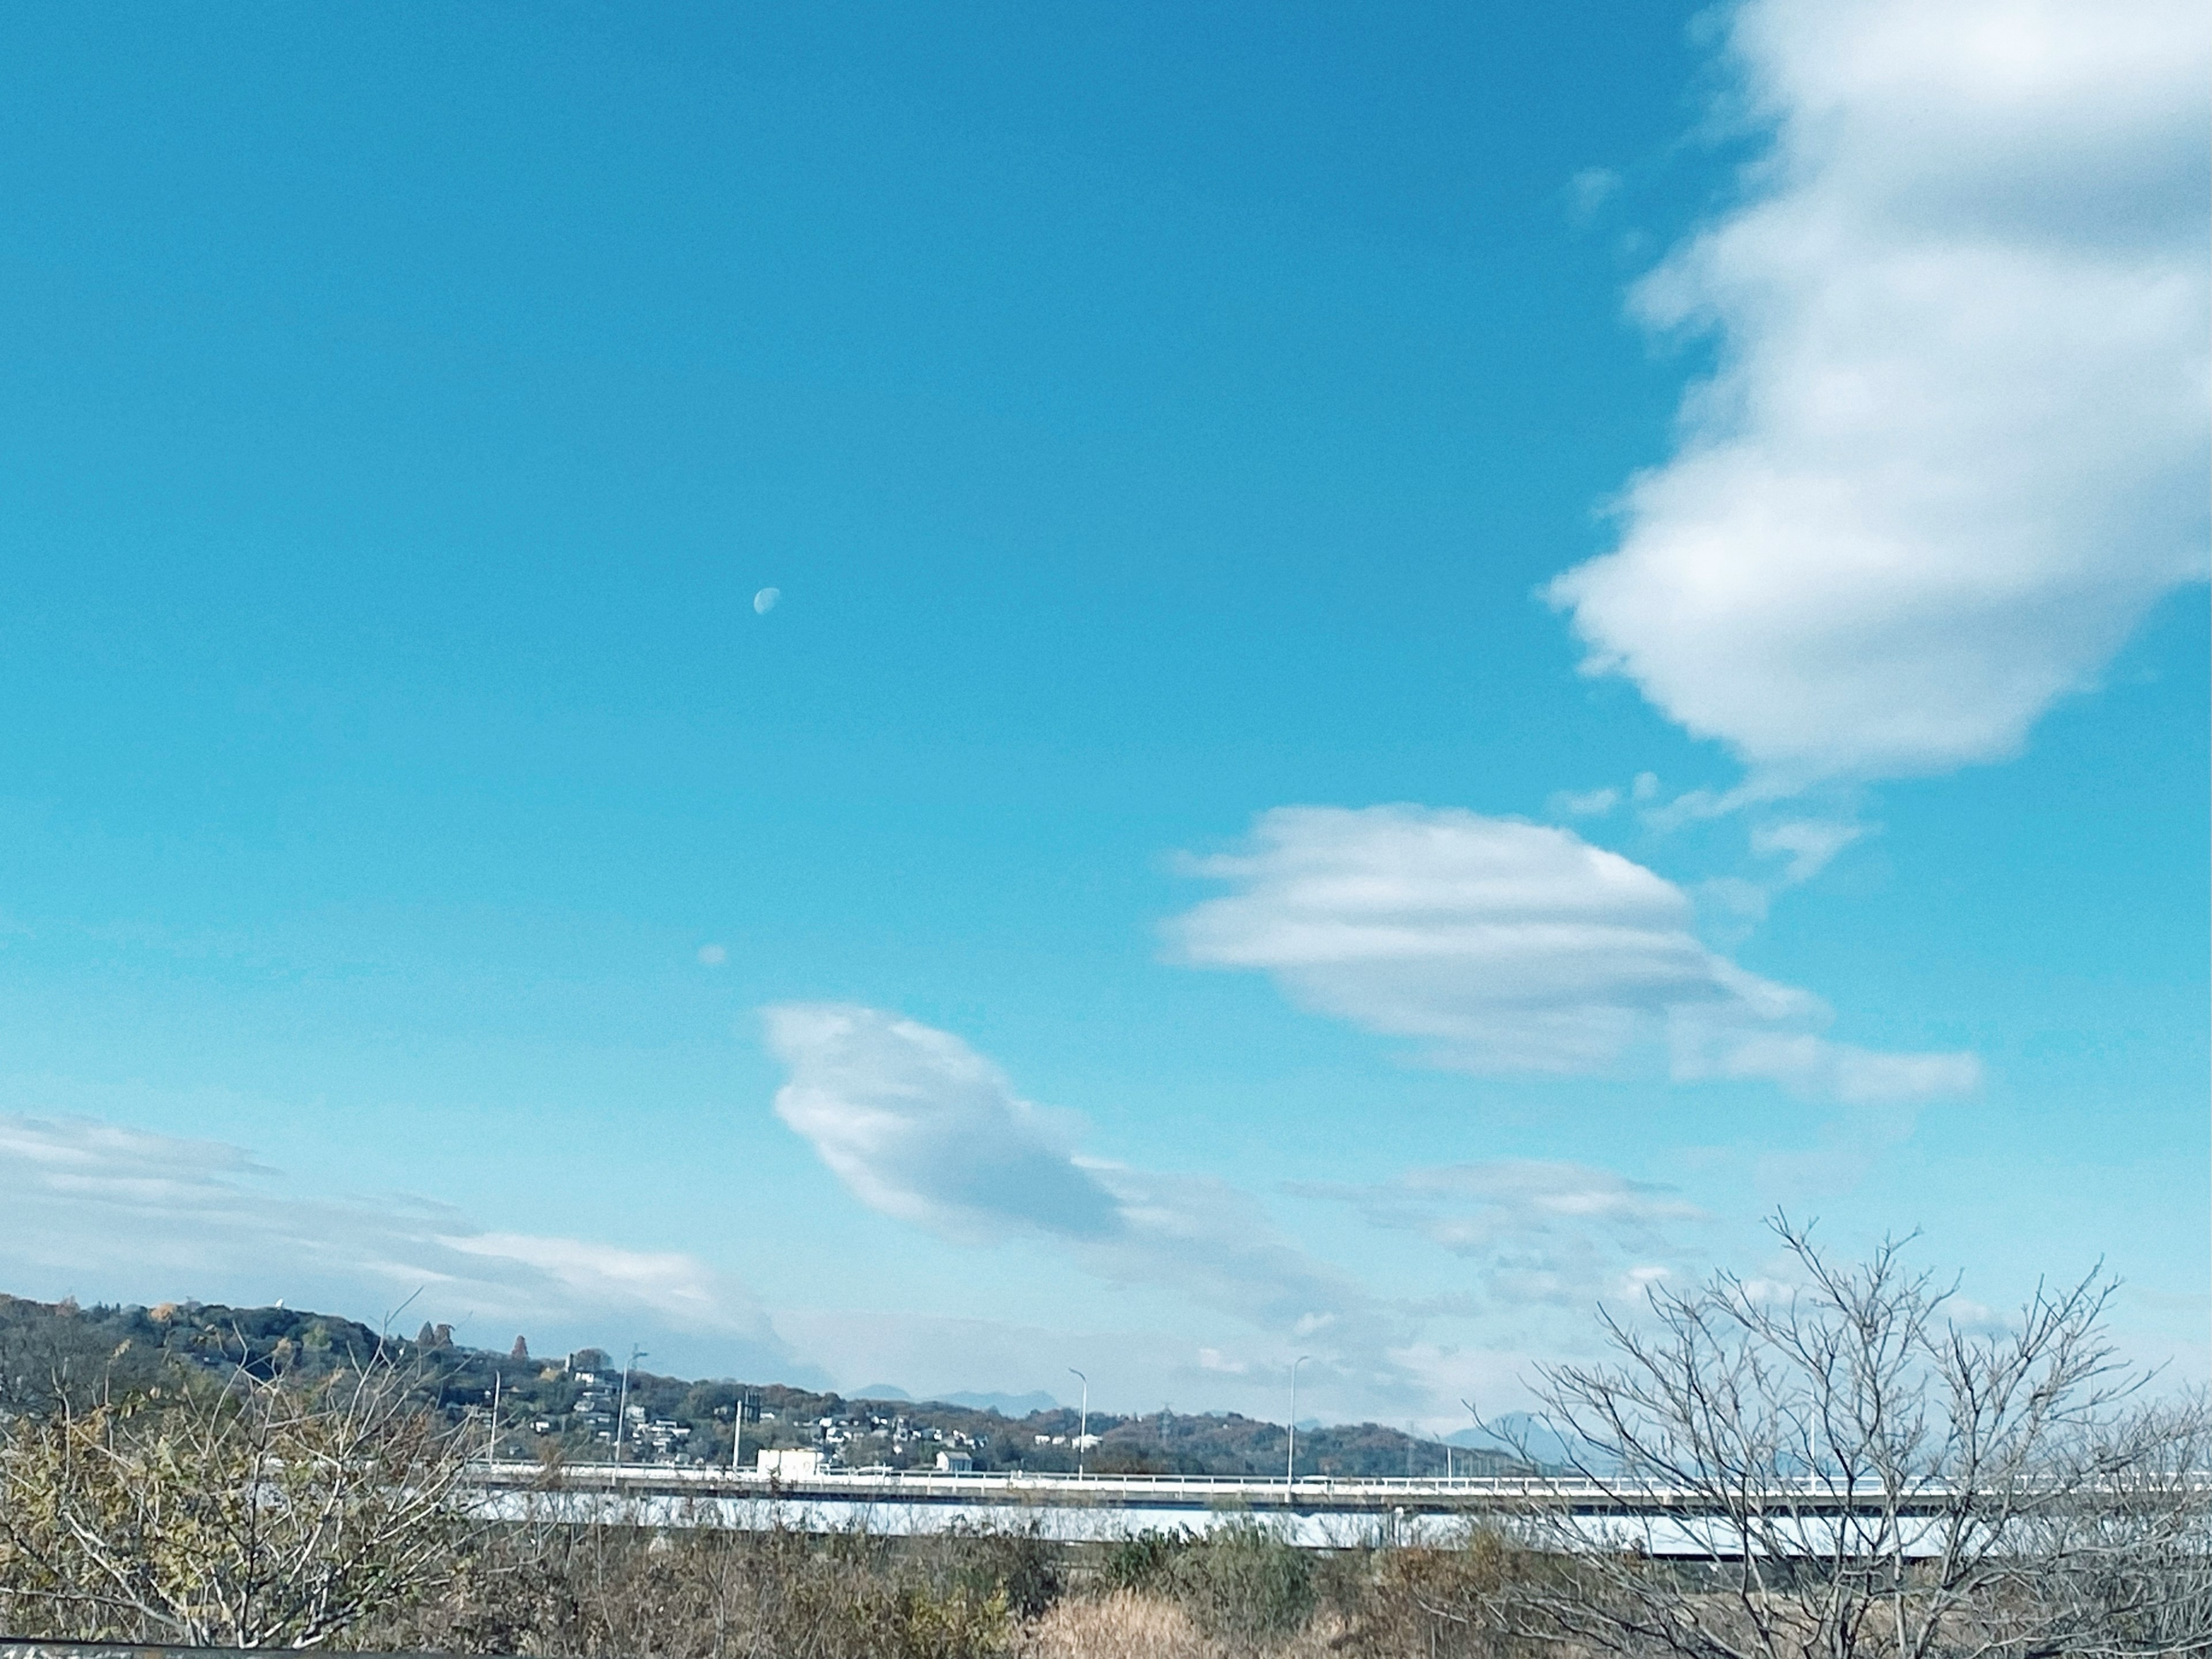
1290 1465
622 1400
491 1441
1082 1421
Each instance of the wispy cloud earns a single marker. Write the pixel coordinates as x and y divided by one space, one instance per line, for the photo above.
1217 1246
1583 803
104 1211
1589 189
1512 947
1538 1232
1955 447
919 1126
1808 846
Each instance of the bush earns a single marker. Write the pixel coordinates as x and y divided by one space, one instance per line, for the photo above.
261 1515
1022 1568
1245 1582
1143 1561
1440 1603
1242 1581
923 1624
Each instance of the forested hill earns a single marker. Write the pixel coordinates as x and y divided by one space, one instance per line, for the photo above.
564 1406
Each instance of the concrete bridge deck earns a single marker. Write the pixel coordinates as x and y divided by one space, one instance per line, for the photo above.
1317 1511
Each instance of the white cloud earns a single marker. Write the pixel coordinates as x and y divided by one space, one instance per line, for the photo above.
922 1127
1810 845
1217 1246
1132 1368
679 1289
1955 447
1538 1232
1517 1197
919 1126
1583 803
1514 947
103 1212
1588 191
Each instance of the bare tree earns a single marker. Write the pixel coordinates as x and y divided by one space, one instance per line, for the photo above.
2127 1570
1856 1471
267 1514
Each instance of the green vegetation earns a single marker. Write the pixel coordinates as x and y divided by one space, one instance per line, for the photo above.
1242 1581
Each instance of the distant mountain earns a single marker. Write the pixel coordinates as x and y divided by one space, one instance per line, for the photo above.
1520 1431
879 1391
1006 1405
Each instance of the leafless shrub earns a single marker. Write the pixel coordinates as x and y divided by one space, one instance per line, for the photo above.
1861 1475
259 1515
1446 1602
2128 1570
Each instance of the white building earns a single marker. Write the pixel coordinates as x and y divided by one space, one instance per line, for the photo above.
791 1464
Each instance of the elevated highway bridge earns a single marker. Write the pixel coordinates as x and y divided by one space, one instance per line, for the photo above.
1318 1511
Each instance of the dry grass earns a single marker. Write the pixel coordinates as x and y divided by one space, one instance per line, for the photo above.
1123 1625
1131 1625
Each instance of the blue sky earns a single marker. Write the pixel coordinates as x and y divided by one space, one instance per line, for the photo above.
1424 661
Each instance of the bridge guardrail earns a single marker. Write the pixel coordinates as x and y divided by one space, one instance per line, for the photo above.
986 1486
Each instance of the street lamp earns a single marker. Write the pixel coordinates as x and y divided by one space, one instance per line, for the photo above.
1083 1422
1291 1465
1477 1416
622 1400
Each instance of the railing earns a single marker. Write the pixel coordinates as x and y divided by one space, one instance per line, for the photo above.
924 1482
1307 1491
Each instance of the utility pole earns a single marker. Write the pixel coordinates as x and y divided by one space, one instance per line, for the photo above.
1291 1465
622 1400
1082 1421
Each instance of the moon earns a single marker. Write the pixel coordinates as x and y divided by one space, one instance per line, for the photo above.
764 601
